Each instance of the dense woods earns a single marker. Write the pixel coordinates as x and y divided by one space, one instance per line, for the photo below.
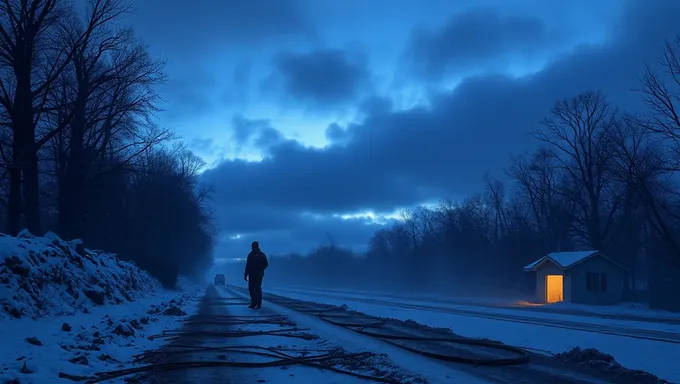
602 179
81 153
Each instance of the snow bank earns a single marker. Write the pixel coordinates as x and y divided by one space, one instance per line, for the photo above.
605 362
41 276
47 350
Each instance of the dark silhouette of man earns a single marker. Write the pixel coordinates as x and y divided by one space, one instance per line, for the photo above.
255 266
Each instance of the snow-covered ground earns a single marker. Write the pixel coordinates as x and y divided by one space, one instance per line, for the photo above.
637 310
42 276
623 309
658 358
69 310
106 338
331 337
538 315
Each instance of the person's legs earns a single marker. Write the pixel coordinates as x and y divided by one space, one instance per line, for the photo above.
258 293
251 290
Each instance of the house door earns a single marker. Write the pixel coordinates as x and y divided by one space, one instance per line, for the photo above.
554 288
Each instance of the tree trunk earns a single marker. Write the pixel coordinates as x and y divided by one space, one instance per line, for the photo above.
24 131
22 125
14 200
70 192
63 209
31 184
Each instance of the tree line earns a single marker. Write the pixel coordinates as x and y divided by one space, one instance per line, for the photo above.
81 153
602 179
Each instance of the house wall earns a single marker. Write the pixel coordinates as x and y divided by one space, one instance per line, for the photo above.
616 281
567 287
548 268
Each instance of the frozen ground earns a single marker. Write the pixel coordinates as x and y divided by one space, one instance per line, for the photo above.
226 342
330 336
636 310
658 358
38 350
624 321
624 309
69 310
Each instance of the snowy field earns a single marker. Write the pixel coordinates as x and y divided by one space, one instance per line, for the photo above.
658 358
68 310
637 310
538 315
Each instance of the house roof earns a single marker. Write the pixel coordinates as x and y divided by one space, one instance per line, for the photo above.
566 260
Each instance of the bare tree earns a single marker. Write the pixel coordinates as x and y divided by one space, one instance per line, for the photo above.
495 199
111 95
578 136
537 185
649 148
411 225
661 94
31 59
651 196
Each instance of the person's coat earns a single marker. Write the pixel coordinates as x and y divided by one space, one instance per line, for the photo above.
256 263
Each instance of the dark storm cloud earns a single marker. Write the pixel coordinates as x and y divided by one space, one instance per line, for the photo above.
375 106
185 92
479 37
204 146
293 232
198 36
400 158
259 133
249 219
237 90
328 180
209 149
321 77
243 130
200 25
336 134
394 159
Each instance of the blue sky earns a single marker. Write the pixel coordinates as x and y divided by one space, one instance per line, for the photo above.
313 112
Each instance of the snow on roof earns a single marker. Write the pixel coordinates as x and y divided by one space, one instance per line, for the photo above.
563 259
567 259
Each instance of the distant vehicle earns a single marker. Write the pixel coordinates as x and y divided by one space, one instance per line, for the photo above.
220 279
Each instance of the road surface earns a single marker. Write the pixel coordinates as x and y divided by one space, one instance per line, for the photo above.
288 342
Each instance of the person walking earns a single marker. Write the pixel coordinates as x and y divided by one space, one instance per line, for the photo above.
254 273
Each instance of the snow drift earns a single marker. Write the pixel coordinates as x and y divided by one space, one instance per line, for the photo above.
40 351
42 276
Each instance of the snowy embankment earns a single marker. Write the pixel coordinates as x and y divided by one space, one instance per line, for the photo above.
68 310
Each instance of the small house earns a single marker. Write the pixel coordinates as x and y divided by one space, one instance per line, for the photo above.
587 277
